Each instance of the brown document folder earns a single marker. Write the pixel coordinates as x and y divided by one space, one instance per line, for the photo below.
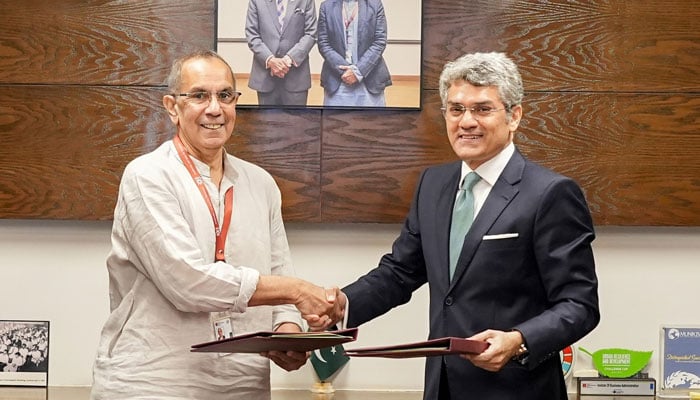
434 347
258 342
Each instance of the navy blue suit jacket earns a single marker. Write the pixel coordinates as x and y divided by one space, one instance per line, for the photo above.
542 282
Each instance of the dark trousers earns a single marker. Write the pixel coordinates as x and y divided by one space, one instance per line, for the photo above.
444 393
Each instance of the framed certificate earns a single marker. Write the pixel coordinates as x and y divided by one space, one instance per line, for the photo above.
680 358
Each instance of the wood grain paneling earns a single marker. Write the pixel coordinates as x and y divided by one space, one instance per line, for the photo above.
634 154
371 160
288 145
64 147
99 41
589 45
612 100
611 144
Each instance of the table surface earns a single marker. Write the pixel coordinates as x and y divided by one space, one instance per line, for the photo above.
83 393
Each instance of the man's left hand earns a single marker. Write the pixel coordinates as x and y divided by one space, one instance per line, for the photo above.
288 360
348 76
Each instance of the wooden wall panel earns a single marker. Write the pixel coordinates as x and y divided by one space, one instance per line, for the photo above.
612 99
288 145
634 154
100 41
591 45
371 160
63 148
370 170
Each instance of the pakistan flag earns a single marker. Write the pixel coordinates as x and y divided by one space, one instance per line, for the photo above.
328 361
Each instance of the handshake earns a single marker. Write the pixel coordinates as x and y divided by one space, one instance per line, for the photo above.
320 307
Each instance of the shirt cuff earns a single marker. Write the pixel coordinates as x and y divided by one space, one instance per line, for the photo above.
291 60
249 283
357 73
344 322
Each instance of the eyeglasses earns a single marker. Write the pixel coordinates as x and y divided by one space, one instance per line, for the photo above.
202 97
456 111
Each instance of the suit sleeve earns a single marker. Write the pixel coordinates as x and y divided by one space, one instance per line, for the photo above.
563 232
329 42
261 52
300 51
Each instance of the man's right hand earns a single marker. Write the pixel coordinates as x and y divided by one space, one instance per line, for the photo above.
317 305
337 314
278 67
320 307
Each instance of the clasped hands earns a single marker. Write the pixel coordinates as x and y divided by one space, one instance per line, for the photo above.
349 78
280 66
322 308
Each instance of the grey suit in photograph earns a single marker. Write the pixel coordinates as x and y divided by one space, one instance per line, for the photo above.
295 37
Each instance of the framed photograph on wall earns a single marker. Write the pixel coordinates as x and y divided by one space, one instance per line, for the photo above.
24 353
323 53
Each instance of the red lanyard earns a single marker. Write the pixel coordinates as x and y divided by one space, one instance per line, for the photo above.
347 19
228 200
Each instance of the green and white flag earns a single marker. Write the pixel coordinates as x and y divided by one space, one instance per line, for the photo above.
328 361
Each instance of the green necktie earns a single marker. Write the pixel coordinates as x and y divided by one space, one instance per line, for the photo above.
462 218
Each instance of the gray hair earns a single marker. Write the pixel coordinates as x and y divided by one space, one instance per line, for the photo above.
174 79
485 69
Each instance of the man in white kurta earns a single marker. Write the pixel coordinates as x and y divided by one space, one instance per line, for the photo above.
165 286
164 283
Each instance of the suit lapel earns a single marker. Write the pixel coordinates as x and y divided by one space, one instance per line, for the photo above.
502 193
272 10
336 18
291 6
362 21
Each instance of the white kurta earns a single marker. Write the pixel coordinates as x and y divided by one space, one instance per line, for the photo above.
164 283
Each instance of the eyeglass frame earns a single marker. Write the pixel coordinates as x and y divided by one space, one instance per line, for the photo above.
235 95
473 112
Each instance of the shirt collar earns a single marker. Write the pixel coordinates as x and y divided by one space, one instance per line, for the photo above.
491 169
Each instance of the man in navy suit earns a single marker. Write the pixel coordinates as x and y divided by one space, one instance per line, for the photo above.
524 281
281 40
352 36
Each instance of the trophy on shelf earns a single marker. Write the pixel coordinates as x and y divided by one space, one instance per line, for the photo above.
619 374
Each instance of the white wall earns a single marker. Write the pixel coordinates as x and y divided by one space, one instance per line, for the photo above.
54 270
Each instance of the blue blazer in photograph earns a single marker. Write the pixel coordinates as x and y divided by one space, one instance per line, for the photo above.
371 42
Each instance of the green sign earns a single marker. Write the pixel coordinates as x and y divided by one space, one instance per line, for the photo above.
619 363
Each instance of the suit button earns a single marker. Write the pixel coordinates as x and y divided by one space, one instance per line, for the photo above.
448 301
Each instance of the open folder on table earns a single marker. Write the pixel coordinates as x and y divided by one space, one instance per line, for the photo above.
258 342
428 348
